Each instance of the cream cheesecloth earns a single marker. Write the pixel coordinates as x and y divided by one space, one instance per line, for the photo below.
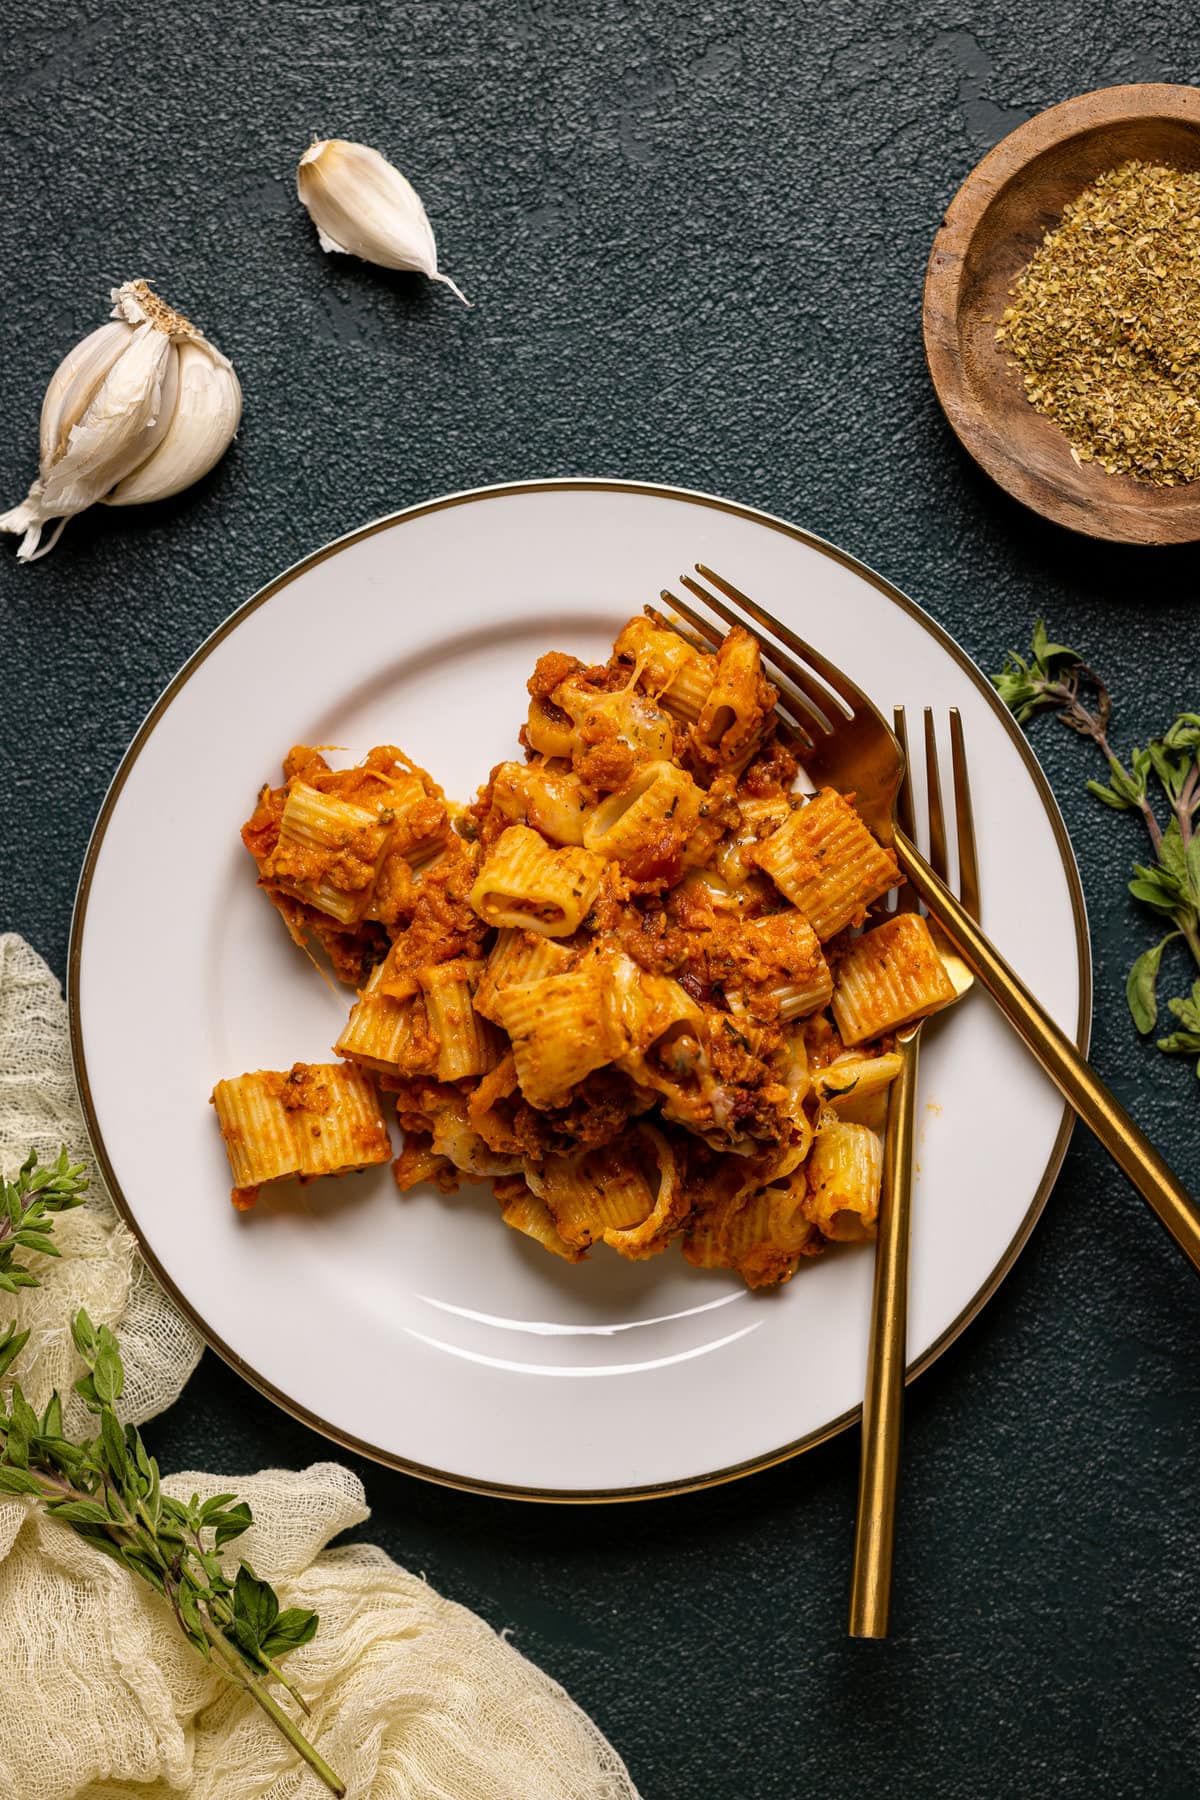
101 1698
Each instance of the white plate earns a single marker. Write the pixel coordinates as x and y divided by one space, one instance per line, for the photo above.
417 1328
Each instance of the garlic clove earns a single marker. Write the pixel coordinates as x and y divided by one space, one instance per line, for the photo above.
199 431
128 416
363 206
125 418
74 383
145 382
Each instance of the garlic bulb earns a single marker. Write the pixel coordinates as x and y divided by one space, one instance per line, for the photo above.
362 206
137 411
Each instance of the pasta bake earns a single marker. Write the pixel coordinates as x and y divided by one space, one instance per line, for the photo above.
643 984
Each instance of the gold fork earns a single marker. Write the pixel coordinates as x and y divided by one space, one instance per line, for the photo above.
845 742
883 1396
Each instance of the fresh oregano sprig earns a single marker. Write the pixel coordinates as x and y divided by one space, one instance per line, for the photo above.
107 1489
1164 774
26 1215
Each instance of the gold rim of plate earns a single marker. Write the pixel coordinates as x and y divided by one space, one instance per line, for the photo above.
568 1496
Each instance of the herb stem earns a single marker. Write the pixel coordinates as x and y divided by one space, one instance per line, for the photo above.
1147 812
1088 725
225 1653
1143 805
224 1613
229 1659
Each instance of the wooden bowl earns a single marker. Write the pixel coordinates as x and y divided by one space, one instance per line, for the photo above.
995 223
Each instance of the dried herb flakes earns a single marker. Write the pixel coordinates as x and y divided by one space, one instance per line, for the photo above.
1105 324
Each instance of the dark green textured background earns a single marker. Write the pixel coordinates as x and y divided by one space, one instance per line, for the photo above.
696 237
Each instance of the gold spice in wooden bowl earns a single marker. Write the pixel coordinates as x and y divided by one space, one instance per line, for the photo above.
1105 323
994 233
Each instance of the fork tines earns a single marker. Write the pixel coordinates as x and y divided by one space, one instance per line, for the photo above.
964 818
939 860
813 707
837 729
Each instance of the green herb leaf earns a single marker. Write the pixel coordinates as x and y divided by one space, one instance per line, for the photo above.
18 1481
52 1419
1129 785
142 1565
79 1512
1188 1011
107 1373
22 1414
1173 857
16 1447
1142 983
113 1439
83 1333
36 1240
213 1506
255 1603
232 1523
11 1346
1052 677
1044 652
189 1606
1110 797
1155 887
291 1629
26 1214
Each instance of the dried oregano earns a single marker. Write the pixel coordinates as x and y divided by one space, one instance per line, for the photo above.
1105 324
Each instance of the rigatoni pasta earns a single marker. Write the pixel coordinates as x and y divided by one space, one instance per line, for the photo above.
887 977
390 1036
825 861
516 957
549 801
659 801
624 985
675 673
561 1028
844 1171
466 1042
309 1120
523 882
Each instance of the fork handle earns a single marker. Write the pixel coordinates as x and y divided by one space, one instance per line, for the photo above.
1084 1091
883 1394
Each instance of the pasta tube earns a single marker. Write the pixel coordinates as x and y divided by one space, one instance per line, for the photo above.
313 1119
